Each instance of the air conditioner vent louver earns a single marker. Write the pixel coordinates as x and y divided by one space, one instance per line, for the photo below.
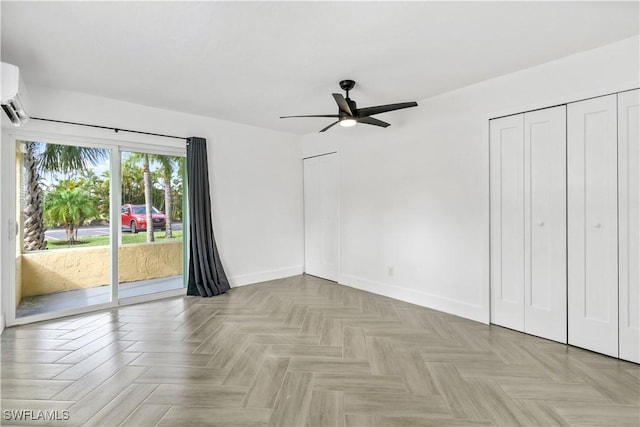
10 113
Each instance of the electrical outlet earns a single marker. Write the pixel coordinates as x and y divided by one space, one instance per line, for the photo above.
390 271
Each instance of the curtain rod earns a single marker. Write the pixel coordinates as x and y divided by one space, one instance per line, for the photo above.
116 130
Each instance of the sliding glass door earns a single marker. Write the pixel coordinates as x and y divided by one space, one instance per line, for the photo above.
63 243
150 255
97 224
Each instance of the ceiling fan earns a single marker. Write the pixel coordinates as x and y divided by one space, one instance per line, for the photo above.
348 113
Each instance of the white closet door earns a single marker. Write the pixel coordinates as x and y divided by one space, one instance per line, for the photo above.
507 221
321 216
592 224
629 228
545 283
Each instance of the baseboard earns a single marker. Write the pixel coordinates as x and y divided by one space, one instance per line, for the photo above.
457 308
263 276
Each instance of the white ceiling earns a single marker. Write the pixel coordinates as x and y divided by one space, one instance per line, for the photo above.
251 62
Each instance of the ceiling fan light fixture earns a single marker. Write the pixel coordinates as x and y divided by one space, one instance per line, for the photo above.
348 122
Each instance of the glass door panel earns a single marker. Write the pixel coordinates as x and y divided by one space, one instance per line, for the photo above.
150 253
63 243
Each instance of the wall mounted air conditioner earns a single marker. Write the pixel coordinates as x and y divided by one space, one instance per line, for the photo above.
13 95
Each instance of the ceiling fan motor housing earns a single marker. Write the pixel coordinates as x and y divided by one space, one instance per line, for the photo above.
347 85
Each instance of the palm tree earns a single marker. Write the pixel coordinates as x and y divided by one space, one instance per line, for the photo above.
68 159
40 158
32 208
69 207
178 185
147 197
167 166
132 183
98 188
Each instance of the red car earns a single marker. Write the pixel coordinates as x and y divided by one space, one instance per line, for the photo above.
134 218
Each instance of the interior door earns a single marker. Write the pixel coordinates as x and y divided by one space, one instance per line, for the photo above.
629 227
507 221
592 224
545 283
322 216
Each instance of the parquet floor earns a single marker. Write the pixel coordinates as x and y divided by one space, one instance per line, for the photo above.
304 352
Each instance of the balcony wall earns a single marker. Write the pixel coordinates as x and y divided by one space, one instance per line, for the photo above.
46 272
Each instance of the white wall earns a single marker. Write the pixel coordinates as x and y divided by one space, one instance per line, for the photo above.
415 196
256 176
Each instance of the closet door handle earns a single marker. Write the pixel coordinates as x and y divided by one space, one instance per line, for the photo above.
540 223
597 225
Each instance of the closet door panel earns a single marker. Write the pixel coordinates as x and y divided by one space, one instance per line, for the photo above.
507 221
545 296
592 225
322 216
629 227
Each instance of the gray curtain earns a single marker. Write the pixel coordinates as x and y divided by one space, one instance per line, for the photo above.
206 275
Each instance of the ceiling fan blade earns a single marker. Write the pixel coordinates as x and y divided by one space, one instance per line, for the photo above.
372 121
370 111
335 116
342 104
327 128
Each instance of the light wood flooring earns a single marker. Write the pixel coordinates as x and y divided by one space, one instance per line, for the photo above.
304 352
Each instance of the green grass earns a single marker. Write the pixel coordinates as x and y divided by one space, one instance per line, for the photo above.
85 242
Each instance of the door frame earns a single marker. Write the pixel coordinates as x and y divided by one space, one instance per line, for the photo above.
10 137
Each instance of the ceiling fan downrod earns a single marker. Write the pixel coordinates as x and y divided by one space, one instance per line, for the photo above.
347 85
